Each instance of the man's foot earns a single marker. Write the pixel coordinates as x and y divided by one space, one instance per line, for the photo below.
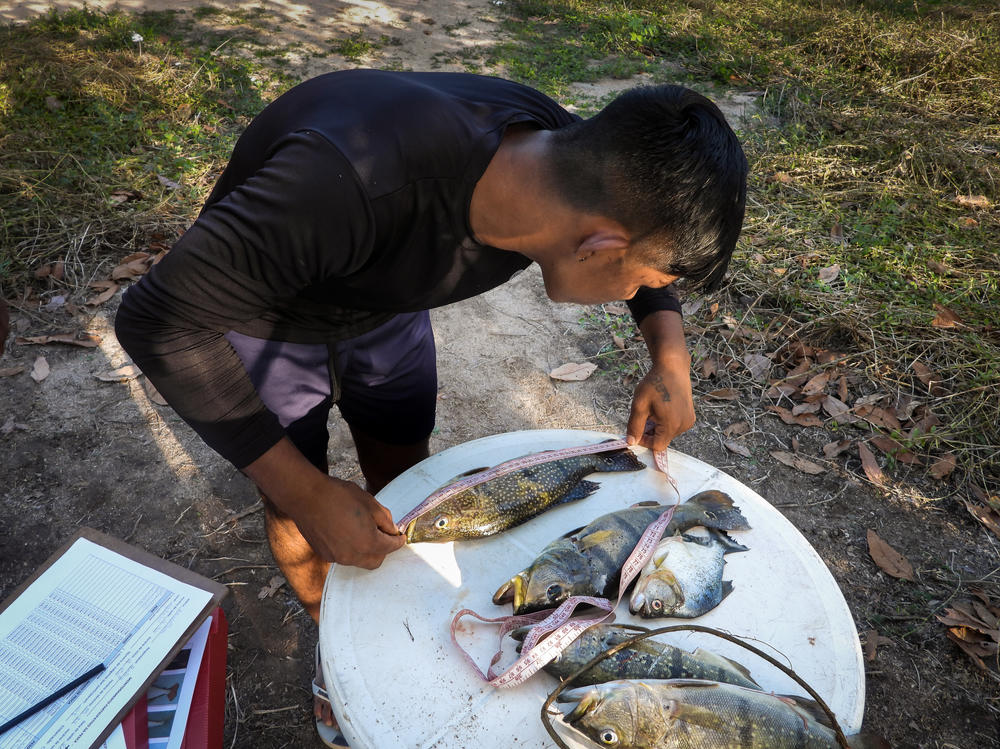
326 724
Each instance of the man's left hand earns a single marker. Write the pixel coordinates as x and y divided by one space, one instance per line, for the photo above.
662 406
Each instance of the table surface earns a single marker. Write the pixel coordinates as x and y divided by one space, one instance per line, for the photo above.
396 679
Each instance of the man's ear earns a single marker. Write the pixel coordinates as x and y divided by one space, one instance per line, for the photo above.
608 237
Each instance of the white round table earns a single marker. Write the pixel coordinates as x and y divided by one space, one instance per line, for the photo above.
397 681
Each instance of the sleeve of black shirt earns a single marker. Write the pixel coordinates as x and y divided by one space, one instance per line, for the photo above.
649 300
301 218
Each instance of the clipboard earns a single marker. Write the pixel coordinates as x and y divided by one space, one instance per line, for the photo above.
216 590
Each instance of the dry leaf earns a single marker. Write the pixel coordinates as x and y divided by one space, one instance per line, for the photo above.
945 318
690 307
86 340
713 310
618 341
737 429
837 234
939 268
802 420
737 447
709 367
927 376
758 365
888 559
842 388
724 394
152 393
943 466
131 270
272 587
616 309
872 640
782 178
573 372
870 465
122 374
832 449
891 447
797 462
829 274
972 201
805 408
11 371
53 270
879 416
973 627
780 389
120 196
817 384
103 296
168 183
41 369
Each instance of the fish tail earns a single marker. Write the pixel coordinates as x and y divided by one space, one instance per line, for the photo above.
729 544
719 511
617 460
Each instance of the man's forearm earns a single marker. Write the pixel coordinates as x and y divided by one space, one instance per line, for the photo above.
663 332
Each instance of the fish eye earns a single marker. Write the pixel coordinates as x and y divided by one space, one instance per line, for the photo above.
553 591
656 604
608 737
441 523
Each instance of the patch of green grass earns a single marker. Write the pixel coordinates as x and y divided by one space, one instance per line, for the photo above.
357 46
94 102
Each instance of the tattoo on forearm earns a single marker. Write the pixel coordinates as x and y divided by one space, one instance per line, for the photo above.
661 389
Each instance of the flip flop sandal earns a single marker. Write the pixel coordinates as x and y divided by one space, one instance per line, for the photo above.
329 735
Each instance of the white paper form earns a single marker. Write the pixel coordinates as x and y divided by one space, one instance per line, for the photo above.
91 606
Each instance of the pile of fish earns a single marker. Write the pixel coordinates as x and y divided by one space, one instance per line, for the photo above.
513 498
588 561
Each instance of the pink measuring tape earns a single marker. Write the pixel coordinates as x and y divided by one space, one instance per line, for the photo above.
563 631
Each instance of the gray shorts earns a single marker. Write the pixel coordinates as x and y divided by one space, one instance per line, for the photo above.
384 382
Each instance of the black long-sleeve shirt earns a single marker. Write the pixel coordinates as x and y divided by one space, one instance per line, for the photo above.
345 202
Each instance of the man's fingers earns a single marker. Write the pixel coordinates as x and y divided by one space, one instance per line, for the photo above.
636 426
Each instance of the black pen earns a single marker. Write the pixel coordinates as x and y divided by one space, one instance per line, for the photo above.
82 679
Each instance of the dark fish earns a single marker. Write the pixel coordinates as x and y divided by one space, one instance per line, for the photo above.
644 659
688 713
511 499
683 578
588 561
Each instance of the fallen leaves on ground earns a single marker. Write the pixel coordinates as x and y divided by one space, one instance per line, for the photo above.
109 289
945 317
872 641
802 420
573 371
86 340
272 587
798 462
11 371
888 559
830 273
930 379
40 370
943 466
972 201
870 465
737 447
832 449
974 625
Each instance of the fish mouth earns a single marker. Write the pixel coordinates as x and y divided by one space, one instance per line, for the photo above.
512 590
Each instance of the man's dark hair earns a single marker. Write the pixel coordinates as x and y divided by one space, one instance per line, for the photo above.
662 161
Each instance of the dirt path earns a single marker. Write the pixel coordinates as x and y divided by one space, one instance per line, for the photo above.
78 451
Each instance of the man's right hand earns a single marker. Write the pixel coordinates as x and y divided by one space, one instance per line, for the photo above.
341 521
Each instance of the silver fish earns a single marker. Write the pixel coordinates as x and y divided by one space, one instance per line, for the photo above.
588 560
694 714
683 578
643 659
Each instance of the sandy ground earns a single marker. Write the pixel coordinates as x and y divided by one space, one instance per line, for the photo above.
78 451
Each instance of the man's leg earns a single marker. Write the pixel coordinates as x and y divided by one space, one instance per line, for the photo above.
293 380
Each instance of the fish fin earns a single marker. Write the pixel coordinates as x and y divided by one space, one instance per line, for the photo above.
719 511
617 460
727 541
581 491
593 539
646 503
807 706
721 661
727 588
463 475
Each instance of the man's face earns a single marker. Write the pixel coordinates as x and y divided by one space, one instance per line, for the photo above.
599 278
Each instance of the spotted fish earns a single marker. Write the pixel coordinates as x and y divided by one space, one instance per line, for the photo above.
689 713
643 659
509 500
683 578
588 560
